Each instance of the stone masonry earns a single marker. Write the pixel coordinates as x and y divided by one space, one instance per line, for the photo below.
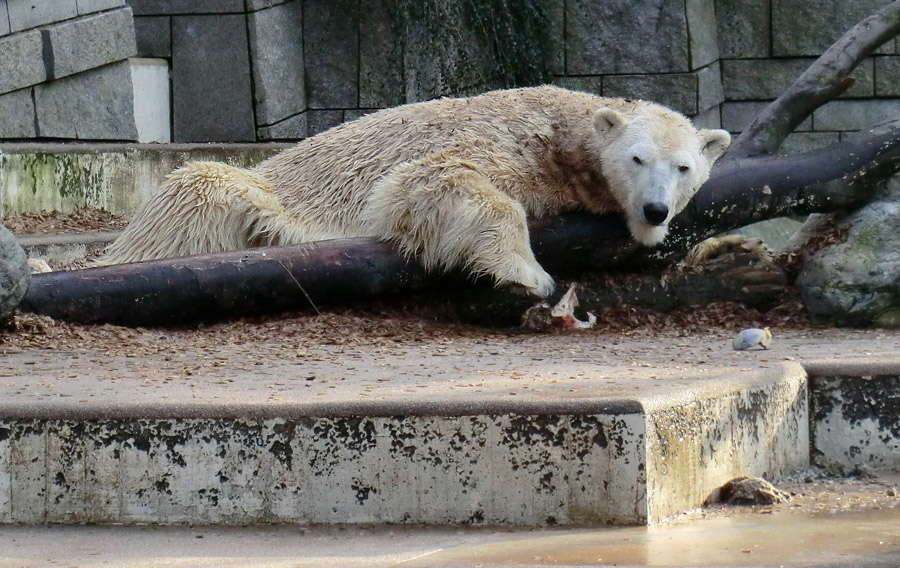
765 44
307 65
64 71
261 70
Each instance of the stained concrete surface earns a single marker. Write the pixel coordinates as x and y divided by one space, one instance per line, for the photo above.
856 421
566 455
273 372
165 461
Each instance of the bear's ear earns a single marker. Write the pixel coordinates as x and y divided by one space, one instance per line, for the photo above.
713 143
607 119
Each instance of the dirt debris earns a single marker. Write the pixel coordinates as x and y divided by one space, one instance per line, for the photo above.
82 220
421 318
381 323
424 317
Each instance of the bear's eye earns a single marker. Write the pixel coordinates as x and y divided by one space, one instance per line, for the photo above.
638 161
683 169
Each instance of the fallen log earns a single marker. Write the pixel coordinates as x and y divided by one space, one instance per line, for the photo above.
277 279
224 285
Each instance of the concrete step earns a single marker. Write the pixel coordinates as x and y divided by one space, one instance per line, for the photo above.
529 434
597 460
66 250
855 416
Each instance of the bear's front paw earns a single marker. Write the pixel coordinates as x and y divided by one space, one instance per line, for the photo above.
521 291
523 274
538 283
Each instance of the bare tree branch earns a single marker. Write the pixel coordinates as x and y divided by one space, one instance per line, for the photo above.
826 79
843 176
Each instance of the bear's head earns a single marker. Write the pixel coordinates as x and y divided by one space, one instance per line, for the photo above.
654 161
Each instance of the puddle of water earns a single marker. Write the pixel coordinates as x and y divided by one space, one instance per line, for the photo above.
778 539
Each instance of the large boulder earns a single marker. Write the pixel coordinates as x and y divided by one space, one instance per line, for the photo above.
15 276
857 282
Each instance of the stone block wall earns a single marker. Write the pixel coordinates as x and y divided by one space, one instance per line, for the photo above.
64 70
260 70
656 50
233 65
766 44
722 61
245 70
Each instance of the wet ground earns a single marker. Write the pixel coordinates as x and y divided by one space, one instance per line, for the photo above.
828 522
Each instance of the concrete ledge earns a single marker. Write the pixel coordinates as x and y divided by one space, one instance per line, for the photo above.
37 241
851 368
697 441
485 460
117 410
66 249
855 415
496 470
114 177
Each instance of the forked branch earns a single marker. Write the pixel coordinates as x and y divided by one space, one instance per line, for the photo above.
826 79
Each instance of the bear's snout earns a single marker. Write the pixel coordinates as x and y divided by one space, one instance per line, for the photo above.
656 213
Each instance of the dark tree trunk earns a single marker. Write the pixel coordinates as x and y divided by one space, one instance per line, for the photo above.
224 285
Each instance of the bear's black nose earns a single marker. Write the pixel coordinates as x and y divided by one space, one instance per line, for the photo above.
656 213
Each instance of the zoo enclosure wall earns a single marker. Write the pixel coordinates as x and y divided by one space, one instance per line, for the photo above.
276 70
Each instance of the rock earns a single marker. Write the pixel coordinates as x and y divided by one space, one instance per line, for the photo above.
857 282
746 490
329 34
17 114
91 41
775 233
675 90
381 82
153 35
744 28
26 15
463 47
88 6
600 37
22 64
809 27
15 275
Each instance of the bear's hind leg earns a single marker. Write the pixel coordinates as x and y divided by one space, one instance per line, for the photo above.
448 215
202 207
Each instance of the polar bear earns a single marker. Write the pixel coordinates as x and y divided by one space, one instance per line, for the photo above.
449 181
